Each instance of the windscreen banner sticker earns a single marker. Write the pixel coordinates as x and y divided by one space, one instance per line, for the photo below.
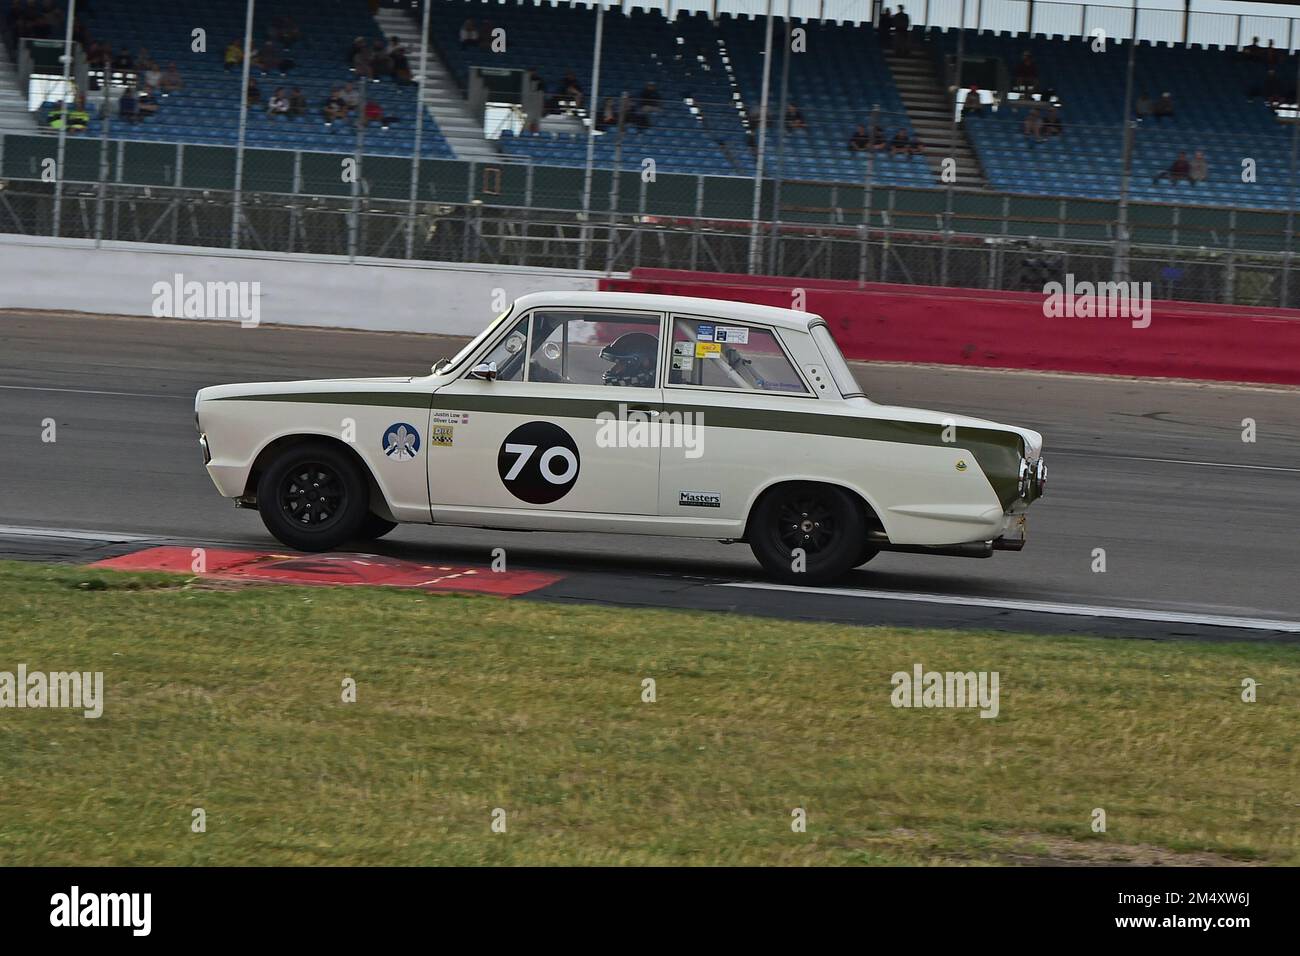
732 335
401 441
708 350
704 333
538 463
441 435
683 348
682 363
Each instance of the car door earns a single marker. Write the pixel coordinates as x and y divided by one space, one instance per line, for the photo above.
728 388
567 426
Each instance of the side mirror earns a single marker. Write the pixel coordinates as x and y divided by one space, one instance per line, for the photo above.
484 371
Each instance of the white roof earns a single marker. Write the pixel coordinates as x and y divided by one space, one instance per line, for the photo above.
714 308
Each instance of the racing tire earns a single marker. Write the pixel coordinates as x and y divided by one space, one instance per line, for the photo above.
313 497
823 520
374 527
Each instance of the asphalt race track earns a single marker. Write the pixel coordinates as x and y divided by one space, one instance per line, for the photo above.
1196 524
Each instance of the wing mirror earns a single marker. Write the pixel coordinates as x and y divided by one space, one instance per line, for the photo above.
484 371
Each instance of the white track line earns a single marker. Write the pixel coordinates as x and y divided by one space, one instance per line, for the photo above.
1042 607
92 391
1167 461
75 534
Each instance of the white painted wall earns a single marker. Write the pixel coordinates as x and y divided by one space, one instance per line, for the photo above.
374 294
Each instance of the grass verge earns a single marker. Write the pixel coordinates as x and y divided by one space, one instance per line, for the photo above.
230 700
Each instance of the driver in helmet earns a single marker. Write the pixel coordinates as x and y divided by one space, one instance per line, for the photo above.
632 360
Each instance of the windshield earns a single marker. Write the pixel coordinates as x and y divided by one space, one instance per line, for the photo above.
841 375
468 350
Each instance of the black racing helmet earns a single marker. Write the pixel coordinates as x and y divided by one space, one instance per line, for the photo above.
633 358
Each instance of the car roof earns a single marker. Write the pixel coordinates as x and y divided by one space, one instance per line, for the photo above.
715 308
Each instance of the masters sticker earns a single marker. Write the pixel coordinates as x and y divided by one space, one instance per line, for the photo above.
440 435
707 350
699 499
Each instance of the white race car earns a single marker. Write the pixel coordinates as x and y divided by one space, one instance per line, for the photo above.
641 414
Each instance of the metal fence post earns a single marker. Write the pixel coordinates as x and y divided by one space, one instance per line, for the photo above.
237 207
1290 206
593 104
63 126
762 146
780 141
1120 265
105 121
419 129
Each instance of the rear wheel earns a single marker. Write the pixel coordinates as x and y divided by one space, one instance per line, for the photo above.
865 554
824 522
313 497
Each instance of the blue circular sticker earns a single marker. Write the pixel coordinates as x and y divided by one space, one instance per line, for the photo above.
401 441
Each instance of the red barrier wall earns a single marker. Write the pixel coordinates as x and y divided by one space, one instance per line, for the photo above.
994 329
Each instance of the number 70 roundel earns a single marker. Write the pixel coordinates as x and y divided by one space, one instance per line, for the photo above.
538 463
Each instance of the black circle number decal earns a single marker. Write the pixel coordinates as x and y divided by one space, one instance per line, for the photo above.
538 463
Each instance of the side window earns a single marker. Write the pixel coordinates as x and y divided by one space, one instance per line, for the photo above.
715 354
510 353
594 348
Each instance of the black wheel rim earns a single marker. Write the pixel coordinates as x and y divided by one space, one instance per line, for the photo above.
312 495
806 522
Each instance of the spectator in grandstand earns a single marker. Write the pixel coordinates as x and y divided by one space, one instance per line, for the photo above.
374 113
608 115
902 25
128 106
124 61
859 142
905 142
879 138
1198 170
650 101
401 69
381 64
297 103
336 108
1053 125
252 95
794 118
1163 107
171 80
1254 51
151 74
1144 106
76 119
972 106
886 29
571 90
351 98
1178 170
270 58
234 57
361 65
468 34
1033 126
1025 79
278 104
284 29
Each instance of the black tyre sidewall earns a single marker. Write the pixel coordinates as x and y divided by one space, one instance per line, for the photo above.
349 522
843 553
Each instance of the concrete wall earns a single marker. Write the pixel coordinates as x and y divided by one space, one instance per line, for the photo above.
374 294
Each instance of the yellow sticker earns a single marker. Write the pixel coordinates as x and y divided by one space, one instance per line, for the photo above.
707 349
443 435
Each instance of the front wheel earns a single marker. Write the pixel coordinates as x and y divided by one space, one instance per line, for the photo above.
806 533
313 497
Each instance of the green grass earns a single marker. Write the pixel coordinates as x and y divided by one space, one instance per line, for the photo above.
230 700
